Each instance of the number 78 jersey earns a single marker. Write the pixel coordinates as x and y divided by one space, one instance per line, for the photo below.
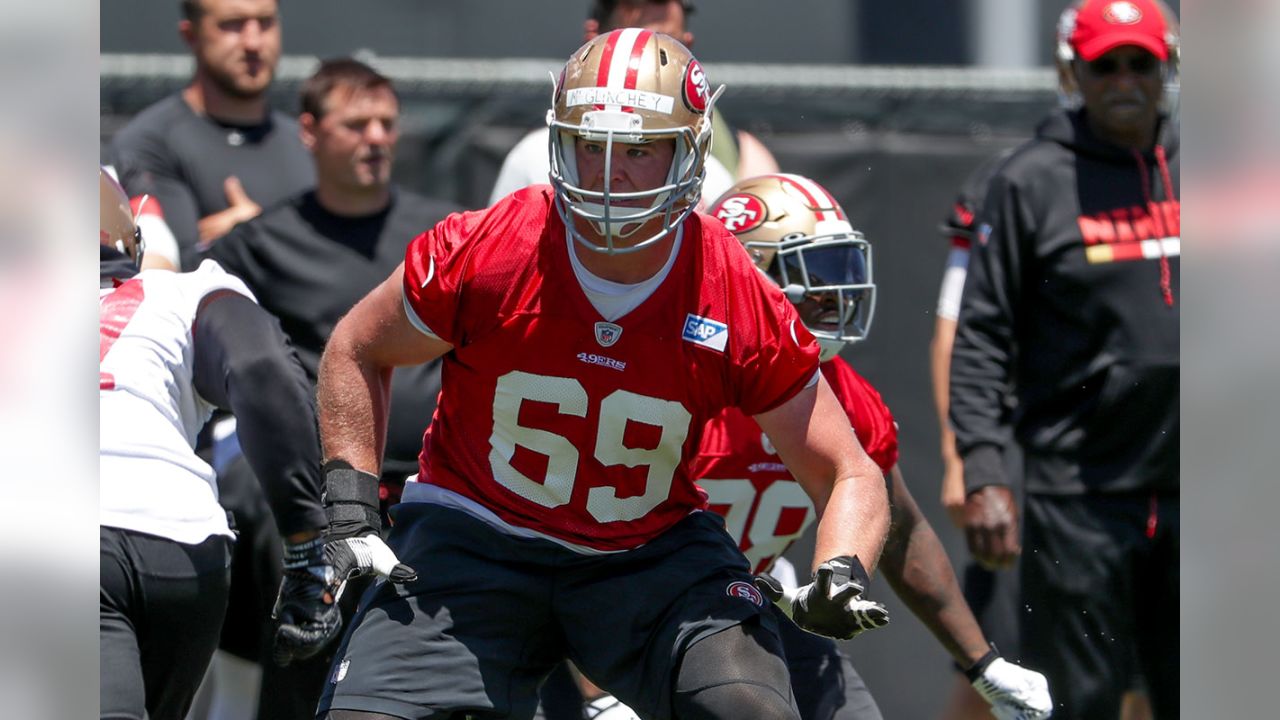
570 426
764 508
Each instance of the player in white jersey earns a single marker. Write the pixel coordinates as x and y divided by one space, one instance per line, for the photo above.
171 348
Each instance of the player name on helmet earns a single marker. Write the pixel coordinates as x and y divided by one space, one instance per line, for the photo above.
640 99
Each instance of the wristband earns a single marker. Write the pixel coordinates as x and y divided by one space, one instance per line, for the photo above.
975 670
849 569
350 500
298 556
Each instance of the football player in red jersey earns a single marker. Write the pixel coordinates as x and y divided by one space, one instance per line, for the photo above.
799 236
588 331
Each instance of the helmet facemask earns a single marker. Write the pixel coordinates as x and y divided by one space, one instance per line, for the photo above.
828 278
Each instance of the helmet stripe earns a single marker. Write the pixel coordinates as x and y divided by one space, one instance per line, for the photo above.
606 59
811 191
633 64
621 60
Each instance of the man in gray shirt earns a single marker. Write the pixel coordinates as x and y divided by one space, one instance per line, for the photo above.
213 154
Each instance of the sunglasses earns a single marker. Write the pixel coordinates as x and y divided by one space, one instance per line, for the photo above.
1144 64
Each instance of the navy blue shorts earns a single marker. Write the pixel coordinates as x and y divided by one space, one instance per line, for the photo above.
491 614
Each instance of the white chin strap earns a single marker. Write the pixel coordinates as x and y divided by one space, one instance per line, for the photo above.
828 348
619 218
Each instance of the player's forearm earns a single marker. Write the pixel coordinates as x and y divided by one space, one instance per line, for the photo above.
353 397
944 335
855 519
916 565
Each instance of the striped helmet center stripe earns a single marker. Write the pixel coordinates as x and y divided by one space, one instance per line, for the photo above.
626 52
811 192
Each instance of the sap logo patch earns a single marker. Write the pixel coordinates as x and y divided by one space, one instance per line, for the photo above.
984 233
746 591
705 332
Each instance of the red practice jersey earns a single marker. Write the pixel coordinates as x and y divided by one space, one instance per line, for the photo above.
565 424
764 507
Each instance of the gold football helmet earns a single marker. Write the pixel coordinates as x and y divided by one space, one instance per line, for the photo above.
799 236
630 86
118 229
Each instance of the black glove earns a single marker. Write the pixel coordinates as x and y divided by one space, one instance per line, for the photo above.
353 545
306 616
832 605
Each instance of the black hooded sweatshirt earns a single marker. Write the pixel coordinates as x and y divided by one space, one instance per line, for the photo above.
1072 305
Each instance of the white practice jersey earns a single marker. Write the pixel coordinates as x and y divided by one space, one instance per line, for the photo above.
149 413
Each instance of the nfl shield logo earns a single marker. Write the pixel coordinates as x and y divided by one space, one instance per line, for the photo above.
607 333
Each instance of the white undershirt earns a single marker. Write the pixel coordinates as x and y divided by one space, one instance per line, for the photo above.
613 299
953 283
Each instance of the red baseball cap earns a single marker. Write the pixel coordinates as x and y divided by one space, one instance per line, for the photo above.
1103 25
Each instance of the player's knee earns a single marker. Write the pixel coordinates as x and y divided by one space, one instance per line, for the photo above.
736 671
734 700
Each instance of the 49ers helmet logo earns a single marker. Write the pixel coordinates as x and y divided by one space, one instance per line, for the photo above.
696 92
740 213
1122 13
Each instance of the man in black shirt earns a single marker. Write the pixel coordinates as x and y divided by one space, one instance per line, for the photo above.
215 153
310 258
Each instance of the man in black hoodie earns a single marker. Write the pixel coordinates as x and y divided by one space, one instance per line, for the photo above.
1072 305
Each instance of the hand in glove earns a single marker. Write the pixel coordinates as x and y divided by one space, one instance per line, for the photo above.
306 616
1015 693
353 545
831 605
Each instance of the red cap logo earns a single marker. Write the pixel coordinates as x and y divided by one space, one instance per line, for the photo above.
1102 26
1122 13
696 92
740 213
